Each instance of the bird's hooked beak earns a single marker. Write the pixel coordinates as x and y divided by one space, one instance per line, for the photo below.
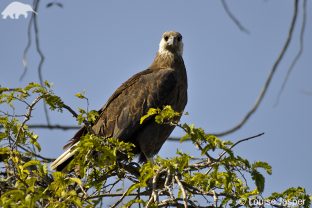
171 41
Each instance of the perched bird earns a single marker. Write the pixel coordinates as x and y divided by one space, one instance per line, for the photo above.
164 82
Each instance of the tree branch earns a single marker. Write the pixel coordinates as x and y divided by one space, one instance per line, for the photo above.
297 57
54 127
85 121
34 21
36 155
240 141
269 78
25 62
27 117
122 197
42 57
154 196
182 190
73 127
233 18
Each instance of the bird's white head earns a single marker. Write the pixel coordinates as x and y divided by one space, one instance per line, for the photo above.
171 42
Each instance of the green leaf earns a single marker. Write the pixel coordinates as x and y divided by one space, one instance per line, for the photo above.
14 194
3 89
186 137
151 112
80 95
3 120
133 187
166 114
92 116
37 145
76 180
53 101
31 184
48 84
4 150
31 163
264 165
3 135
32 85
259 180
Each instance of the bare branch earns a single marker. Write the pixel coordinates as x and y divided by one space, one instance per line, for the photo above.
122 197
240 141
10 115
175 203
70 110
85 121
236 143
39 51
154 196
167 183
269 78
233 18
27 47
36 155
54 127
37 41
34 21
73 127
145 193
297 57
182 190
27 117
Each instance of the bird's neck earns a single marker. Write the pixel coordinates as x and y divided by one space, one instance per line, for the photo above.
165 59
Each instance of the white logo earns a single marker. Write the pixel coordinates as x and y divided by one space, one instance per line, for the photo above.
16 9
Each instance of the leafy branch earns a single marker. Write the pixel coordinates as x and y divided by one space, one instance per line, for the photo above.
104 167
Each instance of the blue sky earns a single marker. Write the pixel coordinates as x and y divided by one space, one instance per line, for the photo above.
95 46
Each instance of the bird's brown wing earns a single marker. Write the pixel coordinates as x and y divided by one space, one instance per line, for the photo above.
120 116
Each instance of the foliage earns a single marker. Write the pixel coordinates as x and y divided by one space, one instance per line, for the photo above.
102 168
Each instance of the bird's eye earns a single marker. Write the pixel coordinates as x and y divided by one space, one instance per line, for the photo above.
166 38
179 38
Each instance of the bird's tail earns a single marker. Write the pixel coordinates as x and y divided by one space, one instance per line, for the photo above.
64 159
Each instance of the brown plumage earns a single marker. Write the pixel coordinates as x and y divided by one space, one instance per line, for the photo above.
163 83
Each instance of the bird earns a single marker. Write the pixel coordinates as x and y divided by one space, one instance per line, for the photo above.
163 83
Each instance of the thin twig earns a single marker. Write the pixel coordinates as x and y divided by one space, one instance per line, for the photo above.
73 127
215 198
37 41
27 117
154 195
115 195
182 190
297 57
233 145
269 78
240 141
233 18
34 21
85 121
70 110
246 139
175 203
25 61
36 155
167 181
122 197
53 127
11 115
42 57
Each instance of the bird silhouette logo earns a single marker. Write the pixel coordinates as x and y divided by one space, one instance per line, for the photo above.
15 9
